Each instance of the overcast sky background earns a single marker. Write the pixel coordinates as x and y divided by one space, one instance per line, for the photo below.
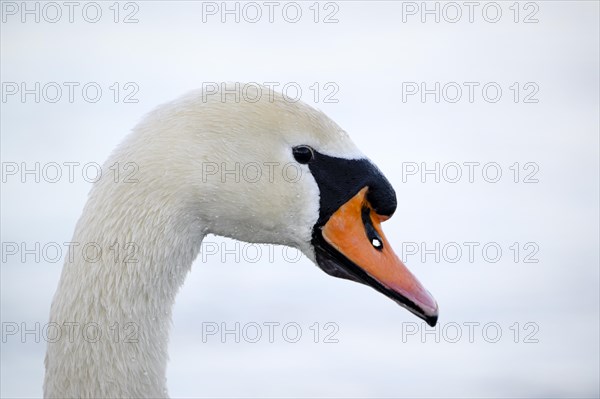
368 54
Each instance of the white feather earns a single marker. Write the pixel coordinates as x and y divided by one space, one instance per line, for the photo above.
166 214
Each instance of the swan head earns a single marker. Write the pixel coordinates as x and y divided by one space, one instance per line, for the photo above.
279 172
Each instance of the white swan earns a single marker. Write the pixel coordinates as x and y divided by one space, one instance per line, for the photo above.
332 214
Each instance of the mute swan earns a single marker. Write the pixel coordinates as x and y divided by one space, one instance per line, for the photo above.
332 214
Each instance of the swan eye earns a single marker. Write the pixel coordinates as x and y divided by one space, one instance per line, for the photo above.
303 153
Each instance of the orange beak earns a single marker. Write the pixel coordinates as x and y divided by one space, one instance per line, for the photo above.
365 255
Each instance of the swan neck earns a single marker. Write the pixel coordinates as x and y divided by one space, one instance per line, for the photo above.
115 297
